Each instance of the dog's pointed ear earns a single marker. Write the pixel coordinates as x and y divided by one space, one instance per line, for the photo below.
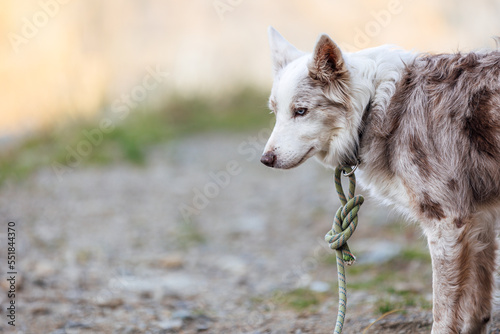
327 62
282 52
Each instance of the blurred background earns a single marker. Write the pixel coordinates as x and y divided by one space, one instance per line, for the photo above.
130 136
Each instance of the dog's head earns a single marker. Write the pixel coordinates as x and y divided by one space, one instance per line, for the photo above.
311 100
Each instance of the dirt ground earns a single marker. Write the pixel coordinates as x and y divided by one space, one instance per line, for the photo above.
203 239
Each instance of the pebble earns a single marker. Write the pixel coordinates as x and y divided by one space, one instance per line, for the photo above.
172 284
73 325
110 303
182 314
203 326
40 310
129 330
43 269
319 286
171 261
170 324
376 252
233 264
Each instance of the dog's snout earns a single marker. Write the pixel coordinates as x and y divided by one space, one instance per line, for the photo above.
268 159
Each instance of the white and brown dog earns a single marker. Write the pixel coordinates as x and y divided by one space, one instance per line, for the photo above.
425 132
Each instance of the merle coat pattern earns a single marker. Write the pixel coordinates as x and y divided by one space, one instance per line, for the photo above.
425 132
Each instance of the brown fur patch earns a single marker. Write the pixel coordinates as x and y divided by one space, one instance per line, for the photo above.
419 156
452 185
480 127
459 222
431 209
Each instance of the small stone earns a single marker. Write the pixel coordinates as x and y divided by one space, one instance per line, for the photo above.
40 310
146 294
43 269
182 314
375 252
131 330
233 264
170 324
110 303
319 286
203 326
171 261
59 331
73 324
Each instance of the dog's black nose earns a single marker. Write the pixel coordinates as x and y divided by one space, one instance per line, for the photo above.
268 159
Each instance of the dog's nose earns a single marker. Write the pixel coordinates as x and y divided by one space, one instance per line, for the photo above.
268 159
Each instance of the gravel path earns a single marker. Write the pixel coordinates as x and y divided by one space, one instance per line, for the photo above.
202 239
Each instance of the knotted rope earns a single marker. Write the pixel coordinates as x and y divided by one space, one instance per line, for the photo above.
344 225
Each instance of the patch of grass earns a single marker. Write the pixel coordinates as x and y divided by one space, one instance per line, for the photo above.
415 254
129 138
371 281
386 281
188 235
401 301
300 299
385 305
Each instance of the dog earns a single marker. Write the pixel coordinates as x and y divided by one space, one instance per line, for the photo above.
424 131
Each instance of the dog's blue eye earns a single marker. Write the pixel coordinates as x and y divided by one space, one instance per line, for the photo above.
300 112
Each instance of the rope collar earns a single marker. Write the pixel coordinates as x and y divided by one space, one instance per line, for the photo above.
354 159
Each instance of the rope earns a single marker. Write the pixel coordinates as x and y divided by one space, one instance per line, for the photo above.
344 225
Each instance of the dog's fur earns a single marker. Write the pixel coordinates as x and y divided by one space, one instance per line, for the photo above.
425 131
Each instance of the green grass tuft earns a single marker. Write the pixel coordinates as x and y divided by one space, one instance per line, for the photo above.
415 254
300 299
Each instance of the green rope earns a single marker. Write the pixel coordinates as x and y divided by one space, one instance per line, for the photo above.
344 225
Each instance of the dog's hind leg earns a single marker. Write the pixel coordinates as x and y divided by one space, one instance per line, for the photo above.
463 263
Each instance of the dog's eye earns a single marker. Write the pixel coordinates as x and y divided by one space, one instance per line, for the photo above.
300 111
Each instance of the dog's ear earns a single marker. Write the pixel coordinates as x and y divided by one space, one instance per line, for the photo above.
327 63
282 52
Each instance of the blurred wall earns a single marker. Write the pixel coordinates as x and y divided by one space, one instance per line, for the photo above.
60 58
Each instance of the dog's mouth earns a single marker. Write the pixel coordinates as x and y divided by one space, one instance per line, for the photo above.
306 156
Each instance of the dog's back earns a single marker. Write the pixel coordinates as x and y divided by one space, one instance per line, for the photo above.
441 132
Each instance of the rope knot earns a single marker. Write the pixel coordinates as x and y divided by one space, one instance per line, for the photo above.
344 225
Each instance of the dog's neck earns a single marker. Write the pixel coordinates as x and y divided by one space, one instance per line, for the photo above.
374 75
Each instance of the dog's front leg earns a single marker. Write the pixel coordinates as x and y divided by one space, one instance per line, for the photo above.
463 264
